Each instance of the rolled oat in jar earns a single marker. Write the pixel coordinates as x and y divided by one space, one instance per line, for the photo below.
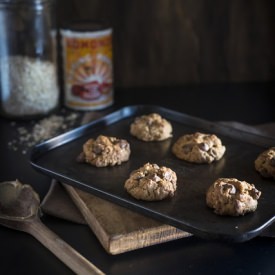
87 66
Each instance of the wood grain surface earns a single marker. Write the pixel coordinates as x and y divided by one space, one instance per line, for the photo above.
119 229
174 42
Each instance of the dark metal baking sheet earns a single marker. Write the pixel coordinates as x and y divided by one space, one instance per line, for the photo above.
187 210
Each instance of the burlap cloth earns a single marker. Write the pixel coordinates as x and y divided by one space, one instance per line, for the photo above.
58 203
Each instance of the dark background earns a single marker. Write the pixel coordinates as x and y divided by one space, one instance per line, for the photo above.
209 50
178 42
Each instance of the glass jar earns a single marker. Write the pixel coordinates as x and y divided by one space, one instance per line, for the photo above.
28 70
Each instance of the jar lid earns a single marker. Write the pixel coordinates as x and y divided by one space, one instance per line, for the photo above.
24 1
85 26
35 4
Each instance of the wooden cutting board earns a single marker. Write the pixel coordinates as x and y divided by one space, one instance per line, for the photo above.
119 229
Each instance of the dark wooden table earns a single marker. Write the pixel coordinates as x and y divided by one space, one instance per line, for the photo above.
22 254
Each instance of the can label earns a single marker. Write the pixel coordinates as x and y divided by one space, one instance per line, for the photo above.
88 70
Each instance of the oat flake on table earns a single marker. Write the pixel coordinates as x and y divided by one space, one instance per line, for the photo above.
41 130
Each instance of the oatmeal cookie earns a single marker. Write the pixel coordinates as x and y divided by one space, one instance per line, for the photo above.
151 127
151 183
232 197
105 151
199 148
265 163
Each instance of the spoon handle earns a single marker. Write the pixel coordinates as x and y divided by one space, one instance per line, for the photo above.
61 249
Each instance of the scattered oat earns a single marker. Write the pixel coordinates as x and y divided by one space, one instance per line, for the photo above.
38 131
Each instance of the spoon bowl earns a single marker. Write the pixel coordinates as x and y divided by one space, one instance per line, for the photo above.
18 202
19 210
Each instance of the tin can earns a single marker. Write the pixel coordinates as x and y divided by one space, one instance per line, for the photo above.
87 66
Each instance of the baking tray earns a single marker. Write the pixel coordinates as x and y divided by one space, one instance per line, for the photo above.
187 210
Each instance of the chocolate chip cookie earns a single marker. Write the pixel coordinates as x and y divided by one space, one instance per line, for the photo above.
232 197
151 127
199 148
265 163
151 183
105 151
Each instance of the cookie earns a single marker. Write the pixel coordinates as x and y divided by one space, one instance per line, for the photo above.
105 151
151 127
199 148
151 183
232 197
265 163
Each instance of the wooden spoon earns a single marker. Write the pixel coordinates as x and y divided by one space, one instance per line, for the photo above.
19 209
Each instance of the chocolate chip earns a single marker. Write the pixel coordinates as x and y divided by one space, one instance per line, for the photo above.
97 148
264 172
204 146
187 148
213 152
123 144
81 157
